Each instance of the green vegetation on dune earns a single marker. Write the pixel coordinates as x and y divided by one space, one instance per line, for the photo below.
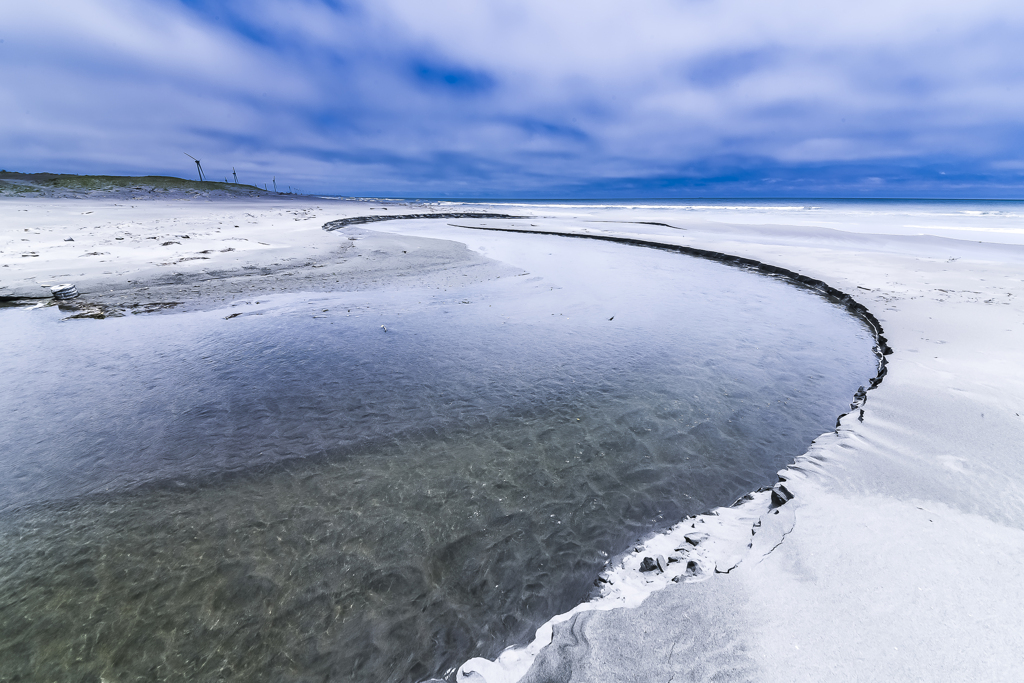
47 184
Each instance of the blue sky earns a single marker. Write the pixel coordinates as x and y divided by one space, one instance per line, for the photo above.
531 98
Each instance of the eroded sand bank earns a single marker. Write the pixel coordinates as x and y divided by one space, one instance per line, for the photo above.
149 255
898 556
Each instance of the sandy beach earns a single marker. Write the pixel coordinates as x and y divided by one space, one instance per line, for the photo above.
893 550
130 255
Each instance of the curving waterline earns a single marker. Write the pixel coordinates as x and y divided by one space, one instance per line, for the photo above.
715 542
362 220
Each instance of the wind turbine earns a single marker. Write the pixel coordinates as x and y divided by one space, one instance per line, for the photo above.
198 165
234 174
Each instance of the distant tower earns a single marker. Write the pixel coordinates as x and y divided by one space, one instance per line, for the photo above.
234 174
199 165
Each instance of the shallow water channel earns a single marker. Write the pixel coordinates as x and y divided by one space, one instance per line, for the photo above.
299 495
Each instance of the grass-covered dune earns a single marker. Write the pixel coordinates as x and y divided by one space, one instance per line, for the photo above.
70 185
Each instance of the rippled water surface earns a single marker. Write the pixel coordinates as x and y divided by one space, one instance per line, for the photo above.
298 495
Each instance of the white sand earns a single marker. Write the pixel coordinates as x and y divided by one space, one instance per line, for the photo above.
899 557
130 255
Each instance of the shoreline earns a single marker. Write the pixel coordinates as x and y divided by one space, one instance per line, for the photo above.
876 505
751 527
924 472
175 255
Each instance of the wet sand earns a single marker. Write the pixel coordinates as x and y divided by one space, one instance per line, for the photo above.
154 255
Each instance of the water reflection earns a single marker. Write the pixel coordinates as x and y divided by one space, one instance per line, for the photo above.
298 495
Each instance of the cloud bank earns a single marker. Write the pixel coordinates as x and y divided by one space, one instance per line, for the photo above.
528 98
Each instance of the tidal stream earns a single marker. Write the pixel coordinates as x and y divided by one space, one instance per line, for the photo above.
296 494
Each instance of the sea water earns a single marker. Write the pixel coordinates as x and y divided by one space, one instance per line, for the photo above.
377 486
971 220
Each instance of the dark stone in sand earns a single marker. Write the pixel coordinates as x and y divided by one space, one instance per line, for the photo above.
780 495
651 564
696 538
692 569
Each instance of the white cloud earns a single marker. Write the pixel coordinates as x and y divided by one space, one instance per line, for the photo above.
535 90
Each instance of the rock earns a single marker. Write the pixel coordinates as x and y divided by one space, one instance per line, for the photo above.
651 564
780 495
696 538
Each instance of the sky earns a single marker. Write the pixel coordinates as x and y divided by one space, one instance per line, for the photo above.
525 98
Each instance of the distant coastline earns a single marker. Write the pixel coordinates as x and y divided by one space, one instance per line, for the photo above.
68 186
